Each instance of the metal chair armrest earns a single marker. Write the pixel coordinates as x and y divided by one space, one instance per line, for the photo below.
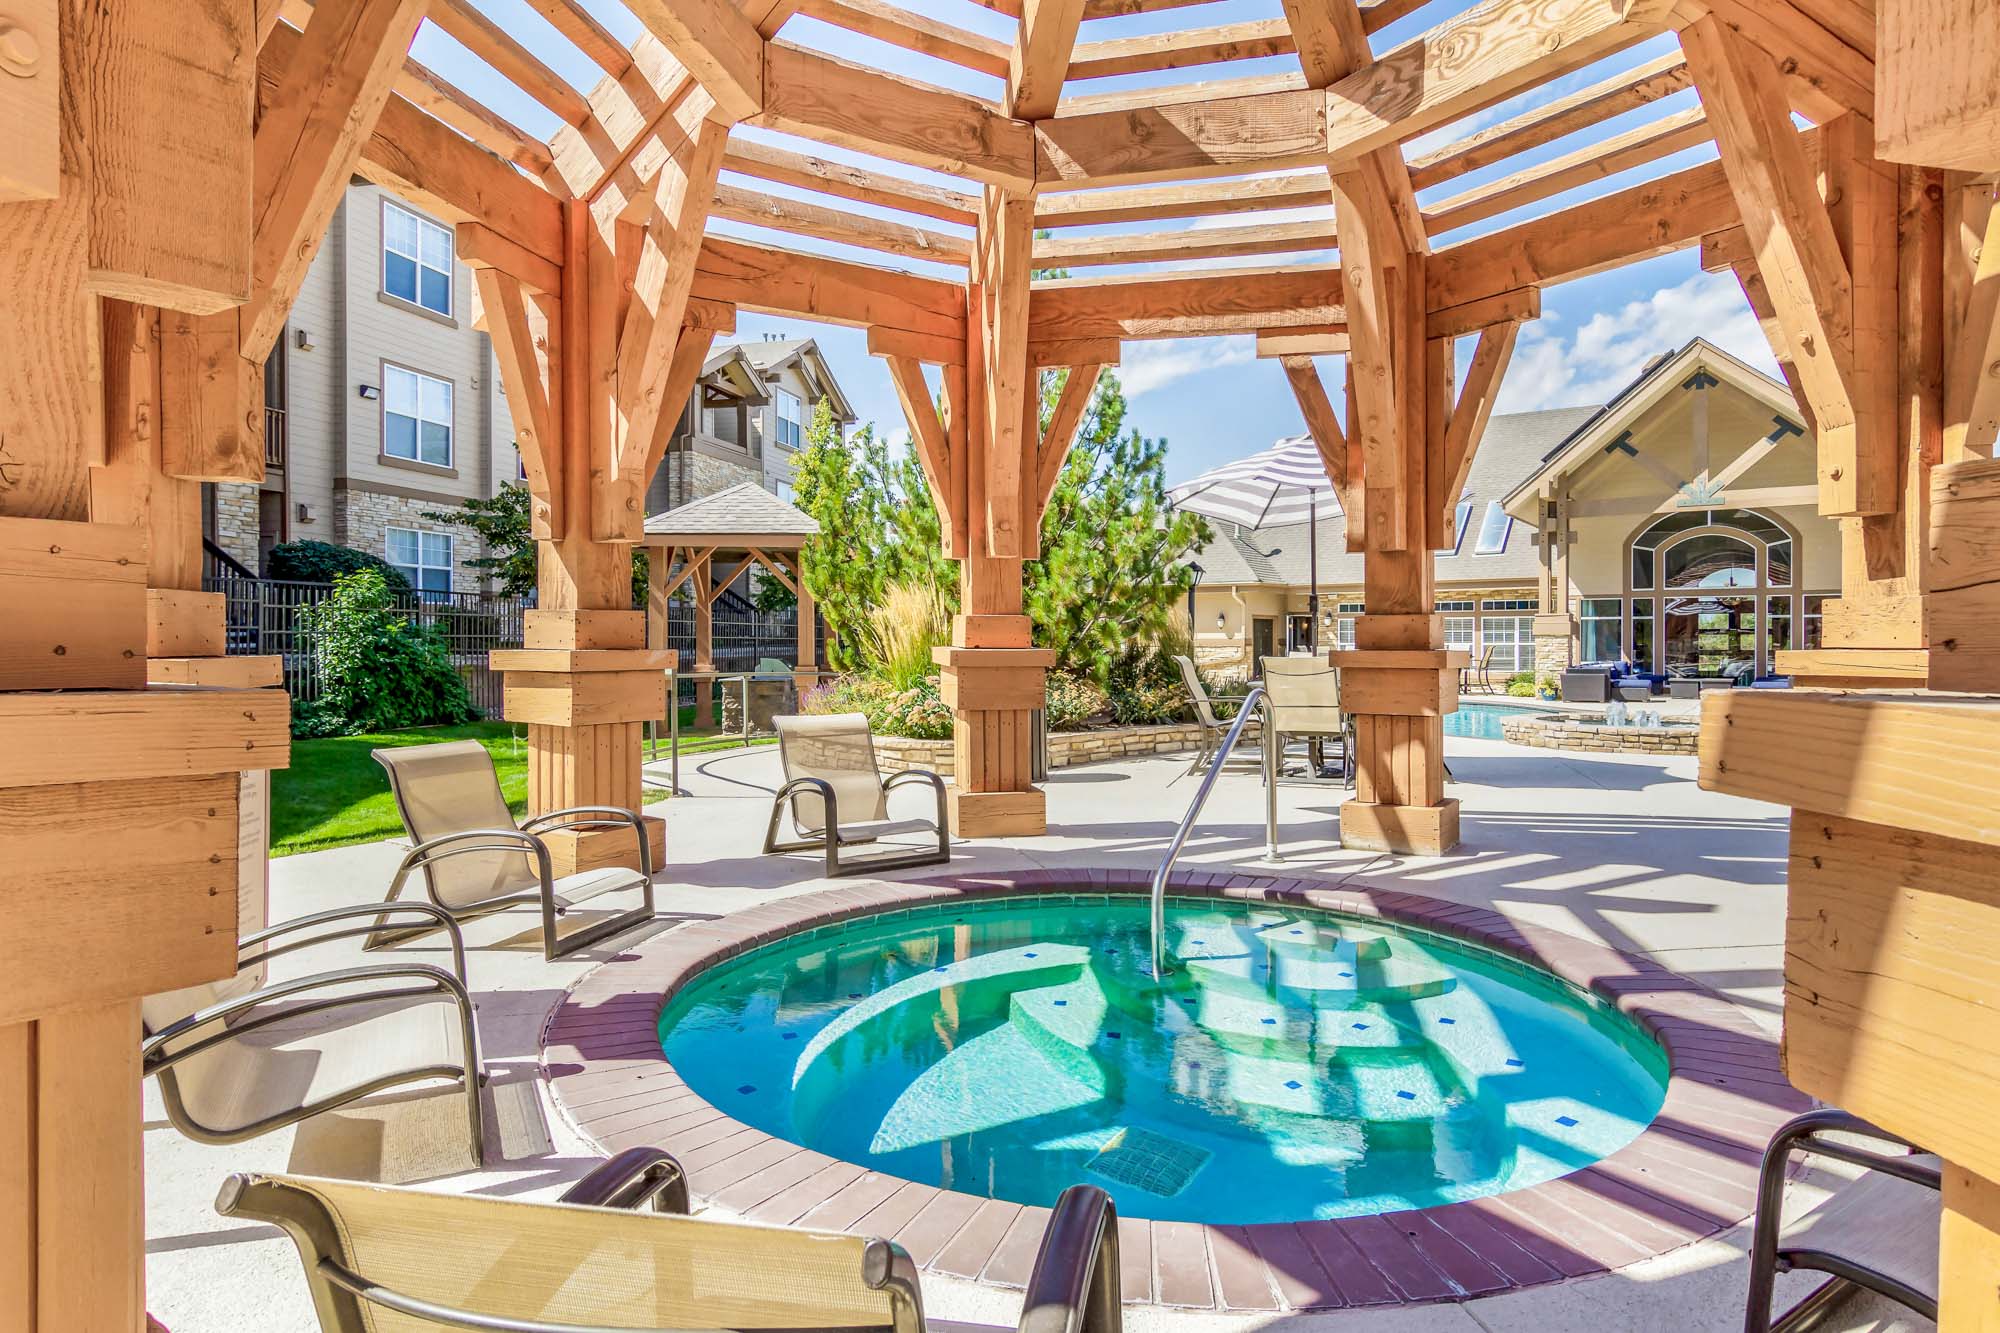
378 911
909 775
154 1056
634 1179
468 841
595 816
1075 1286
830 841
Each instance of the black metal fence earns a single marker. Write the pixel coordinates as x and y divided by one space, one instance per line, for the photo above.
263 620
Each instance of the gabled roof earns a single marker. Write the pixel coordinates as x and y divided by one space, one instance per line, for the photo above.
1661 376
770 355
731 369
743 515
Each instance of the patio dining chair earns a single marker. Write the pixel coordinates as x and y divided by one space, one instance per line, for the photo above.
837 796
1479 676
474 858
236 1059
1879 1232
1302 702
618 1252
1213 728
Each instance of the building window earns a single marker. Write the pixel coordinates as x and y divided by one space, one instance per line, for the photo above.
1778 625
1642 634
423 557
783 490
1809 627
416 417
1601 623
1493 530
416 259
1511 637
791 419
1343 628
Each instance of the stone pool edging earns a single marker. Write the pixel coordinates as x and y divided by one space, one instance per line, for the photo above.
1570 731
1688 1175
895 753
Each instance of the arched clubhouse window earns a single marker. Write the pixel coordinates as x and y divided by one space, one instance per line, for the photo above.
1712 592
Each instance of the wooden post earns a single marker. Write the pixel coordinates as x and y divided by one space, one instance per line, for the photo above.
807 661
704 639
993 678
122 792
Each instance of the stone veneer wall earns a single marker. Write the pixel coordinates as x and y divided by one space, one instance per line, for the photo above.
710 475
361 520
1571 731
237 522
896 753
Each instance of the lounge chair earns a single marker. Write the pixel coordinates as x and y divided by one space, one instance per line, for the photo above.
1302 701
1213 728
837 796
1479 675
378 1257
475 859
1878 1232
236 1059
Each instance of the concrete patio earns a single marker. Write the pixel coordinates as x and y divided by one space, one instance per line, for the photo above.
1622 850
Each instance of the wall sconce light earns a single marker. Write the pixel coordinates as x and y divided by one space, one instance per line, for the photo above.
369 391
1221 620
302 339
305 512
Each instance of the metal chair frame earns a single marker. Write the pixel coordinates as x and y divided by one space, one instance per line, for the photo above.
1769 1257
829 840
356 987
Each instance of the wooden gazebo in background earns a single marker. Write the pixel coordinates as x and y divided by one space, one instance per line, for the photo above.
707 546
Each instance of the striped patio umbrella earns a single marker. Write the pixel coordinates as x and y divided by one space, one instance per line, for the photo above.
1284 484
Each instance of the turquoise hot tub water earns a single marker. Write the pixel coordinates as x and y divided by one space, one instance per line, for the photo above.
1297 1064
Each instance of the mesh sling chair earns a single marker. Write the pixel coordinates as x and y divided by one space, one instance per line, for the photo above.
236 1059
381 1259
838 797
1213 728
475 859
1879 1232
1302 699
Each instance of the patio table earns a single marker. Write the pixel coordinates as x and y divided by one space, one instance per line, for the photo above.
742 680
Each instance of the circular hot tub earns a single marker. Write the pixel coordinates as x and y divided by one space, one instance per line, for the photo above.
1590 732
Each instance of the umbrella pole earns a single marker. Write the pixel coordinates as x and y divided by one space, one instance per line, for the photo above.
1312 572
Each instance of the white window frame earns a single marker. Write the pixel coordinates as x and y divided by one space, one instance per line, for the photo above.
1494 512
415 572
780 399
389 369
450 296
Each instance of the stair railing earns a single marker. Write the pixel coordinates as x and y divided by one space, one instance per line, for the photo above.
1222 753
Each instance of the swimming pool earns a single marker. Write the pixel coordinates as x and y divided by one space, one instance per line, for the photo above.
1480 721
1299 1064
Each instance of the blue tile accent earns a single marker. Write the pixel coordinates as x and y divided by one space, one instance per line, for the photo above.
1293 1084
1268 1022
1062 1004
1113 1035
747 1089
1517 1064
791 1036
1347 974
1360 1027
1566 1121
1406 1096
1447 1021
1295 931
854 995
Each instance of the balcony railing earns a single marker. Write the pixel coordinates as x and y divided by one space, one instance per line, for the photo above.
274 437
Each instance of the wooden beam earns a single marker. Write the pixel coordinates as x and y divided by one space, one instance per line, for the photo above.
1201 90
1319 340
1647 83
1040 55
1074 352
926 348
211 400
1006 240
573 21
1321 424
787 282
308 140
1064 422
777 571
1862 195
1187 243
520 344
677 384
716 43
1178 305
1256 39
1217 137
1822 77
481 247
1798 252
1471 413
858 108
831 224
1084 208
514 61
474 119
933 450
911 31
1972 369
1937 103
768 162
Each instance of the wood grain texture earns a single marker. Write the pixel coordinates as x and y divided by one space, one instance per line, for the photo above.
73 599
1936 102
30 104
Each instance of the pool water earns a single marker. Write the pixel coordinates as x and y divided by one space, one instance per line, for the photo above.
1295 1065
1480 721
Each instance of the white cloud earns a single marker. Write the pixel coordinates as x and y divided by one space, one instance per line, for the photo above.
1154 365
1612 347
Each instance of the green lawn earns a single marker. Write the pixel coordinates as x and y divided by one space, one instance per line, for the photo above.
335 794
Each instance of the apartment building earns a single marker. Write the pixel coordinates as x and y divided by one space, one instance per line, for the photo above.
383 403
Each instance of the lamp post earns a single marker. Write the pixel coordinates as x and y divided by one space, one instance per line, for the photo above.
1194 567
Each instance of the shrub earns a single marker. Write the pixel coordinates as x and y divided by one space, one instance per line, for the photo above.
1145 704
911 620
1522 678
918 712
1074 702
1522 687
323 562
377 670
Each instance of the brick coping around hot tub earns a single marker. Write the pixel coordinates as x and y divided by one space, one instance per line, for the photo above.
1690 1174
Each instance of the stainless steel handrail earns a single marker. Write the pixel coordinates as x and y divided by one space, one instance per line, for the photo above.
1159 918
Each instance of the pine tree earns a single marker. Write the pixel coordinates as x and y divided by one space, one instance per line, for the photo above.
504 525
844 485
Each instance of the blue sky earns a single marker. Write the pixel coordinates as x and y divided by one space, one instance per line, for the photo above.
1210 398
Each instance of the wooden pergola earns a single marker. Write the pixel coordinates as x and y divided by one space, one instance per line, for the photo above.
168 170
706 546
